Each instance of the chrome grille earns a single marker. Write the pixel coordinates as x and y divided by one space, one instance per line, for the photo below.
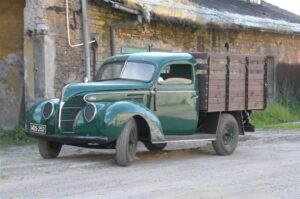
70 111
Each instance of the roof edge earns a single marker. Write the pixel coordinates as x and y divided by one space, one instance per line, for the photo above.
201 16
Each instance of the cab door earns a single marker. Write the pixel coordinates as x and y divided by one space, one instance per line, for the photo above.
176 99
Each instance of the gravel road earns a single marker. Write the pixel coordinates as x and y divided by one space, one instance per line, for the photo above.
265 165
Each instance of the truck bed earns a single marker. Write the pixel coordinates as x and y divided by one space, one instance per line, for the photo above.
231 82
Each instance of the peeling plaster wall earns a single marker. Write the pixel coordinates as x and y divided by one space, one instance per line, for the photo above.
66 63
50 63
39 51
11 63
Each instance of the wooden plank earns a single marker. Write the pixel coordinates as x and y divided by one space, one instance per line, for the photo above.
235 99
217 66
256 56
256 72
239 57
257 82
215 82
240 88
214 56
255 93
214 94
217 77
235 67
256 98
255 105
217 87
237 76
218 100
237 82
236 93
216 107
255 87
256 76
256 65
237 106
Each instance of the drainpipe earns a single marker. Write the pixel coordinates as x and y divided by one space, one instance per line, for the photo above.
86 41
115 27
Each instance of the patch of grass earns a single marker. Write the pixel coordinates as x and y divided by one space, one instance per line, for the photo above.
2 177
282 126
16 138
276 116
283 112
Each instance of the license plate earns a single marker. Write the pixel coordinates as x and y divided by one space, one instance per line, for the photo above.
38 128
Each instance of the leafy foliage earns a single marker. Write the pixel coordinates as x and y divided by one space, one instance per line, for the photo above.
281 113
16 137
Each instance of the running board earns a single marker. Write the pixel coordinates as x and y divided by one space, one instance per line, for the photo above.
188 138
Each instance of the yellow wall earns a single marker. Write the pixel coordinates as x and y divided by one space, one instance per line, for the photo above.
11 62
11 23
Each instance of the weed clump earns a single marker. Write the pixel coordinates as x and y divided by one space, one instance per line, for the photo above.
15 138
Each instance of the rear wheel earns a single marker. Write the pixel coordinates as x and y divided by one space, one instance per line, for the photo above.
227 135
127 144
155 147
49 149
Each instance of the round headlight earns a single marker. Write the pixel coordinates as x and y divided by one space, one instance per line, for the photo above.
90 112
48 110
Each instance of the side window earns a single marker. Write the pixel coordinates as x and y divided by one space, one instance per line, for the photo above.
176 74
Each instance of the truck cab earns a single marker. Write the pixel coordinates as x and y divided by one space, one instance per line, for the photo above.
155 98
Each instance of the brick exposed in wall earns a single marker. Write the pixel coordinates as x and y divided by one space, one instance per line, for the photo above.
160 35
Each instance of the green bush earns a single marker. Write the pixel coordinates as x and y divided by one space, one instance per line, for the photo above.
275 113
285 108
16 137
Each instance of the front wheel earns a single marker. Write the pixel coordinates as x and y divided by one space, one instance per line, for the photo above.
155 147
49 149
227 135
126 146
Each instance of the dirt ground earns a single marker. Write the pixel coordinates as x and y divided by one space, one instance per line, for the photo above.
265 165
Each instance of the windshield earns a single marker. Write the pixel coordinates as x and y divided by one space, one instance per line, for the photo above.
139 71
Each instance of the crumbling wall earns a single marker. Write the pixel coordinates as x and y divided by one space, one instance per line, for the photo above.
39 51
47 45
11 64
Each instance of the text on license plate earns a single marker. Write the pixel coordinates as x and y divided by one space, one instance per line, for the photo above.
38 128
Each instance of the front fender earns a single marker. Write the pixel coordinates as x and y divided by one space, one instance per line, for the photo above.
119 113
35 115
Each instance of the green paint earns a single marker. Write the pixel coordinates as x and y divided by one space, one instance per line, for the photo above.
130 50
3 177
117 101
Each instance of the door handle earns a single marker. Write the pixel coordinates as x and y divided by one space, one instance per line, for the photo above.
195 97
153 93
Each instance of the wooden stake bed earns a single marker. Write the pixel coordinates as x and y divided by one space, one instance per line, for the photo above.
231 82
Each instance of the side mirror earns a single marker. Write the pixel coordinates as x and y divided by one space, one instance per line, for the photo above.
160 80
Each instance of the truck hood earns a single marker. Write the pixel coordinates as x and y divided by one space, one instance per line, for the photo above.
113 85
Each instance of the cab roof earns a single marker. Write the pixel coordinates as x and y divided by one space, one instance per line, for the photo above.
157 58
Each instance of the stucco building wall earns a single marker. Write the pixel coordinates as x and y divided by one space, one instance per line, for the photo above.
11 63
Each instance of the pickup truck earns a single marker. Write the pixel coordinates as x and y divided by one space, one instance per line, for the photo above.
155 98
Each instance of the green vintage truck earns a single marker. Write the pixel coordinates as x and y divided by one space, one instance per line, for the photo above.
155 98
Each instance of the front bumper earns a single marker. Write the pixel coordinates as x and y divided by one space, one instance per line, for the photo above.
70 139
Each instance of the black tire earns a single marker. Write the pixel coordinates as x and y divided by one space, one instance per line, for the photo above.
126 146
49 150
155 147
227 135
